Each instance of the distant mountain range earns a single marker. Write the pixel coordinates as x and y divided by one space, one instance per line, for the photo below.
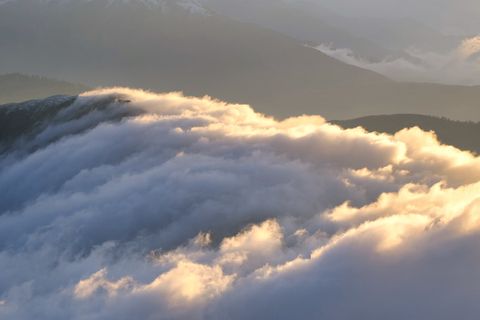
460 134
17 87
302 21
185 46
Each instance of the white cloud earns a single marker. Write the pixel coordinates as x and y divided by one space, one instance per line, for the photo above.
460 66
194 208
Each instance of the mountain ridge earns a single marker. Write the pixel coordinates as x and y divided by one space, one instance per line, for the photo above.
208 55
15 87
450 132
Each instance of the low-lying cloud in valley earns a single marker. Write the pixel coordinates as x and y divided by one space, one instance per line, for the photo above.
126 204
460 66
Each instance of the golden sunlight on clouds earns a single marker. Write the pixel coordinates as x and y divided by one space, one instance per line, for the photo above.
97 281
213 206
189 282
469 47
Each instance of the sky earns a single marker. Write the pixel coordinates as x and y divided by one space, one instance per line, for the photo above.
448 16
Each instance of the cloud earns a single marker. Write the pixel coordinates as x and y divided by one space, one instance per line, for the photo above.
469 47
460 66
161 206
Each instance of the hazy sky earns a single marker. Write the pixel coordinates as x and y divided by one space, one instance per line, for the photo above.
447 15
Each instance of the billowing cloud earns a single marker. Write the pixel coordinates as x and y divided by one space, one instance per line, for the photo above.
127 204
460 66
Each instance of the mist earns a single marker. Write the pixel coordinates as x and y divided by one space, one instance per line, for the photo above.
458 66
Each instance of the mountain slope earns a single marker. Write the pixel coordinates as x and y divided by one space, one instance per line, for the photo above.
456 133
17 87
21 122
390 33
298 21
132 44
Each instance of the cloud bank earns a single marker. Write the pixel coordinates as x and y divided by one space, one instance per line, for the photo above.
126 204
458 67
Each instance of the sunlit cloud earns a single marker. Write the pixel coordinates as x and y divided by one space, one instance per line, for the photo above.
469 47
145 205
